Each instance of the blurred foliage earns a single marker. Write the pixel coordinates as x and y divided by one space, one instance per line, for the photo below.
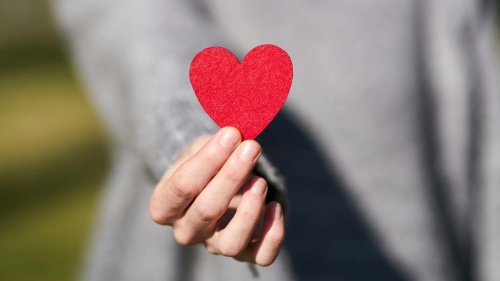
53 154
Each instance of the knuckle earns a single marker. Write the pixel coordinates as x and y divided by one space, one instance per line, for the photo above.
157 213
248 215
211 155
266 260
233 177
207 211
211 249
159 216
184 238
230 249
183 185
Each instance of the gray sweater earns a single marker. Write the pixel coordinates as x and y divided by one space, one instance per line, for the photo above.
389 142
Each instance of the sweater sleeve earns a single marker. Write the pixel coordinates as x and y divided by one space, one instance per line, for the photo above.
134 56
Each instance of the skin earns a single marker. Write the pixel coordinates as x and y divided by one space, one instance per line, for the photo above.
208 196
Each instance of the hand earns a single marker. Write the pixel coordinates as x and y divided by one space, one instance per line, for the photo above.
198 194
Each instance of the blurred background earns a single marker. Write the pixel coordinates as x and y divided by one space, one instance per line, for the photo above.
53 150
53 156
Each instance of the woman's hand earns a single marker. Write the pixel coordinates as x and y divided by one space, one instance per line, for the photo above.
199 194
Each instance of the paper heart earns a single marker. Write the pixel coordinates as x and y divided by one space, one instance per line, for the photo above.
246 96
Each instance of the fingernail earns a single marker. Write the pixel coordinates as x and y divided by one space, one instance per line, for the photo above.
259 187
229 138
249 152
278 212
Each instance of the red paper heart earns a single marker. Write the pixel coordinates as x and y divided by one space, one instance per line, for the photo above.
246 96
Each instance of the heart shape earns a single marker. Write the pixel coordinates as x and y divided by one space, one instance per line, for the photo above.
246 96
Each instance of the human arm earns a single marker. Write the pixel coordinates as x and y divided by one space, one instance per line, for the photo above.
134 57
198 194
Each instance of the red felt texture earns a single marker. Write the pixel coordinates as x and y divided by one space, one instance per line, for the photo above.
245 95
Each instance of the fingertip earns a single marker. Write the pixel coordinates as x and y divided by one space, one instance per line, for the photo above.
273 215
253 142
159 214
229 137
272 237
250 151
274 224
231 128
278 211
256 185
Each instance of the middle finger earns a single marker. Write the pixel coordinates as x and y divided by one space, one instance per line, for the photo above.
214 200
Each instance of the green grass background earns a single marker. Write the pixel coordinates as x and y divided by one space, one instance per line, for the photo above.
53 152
